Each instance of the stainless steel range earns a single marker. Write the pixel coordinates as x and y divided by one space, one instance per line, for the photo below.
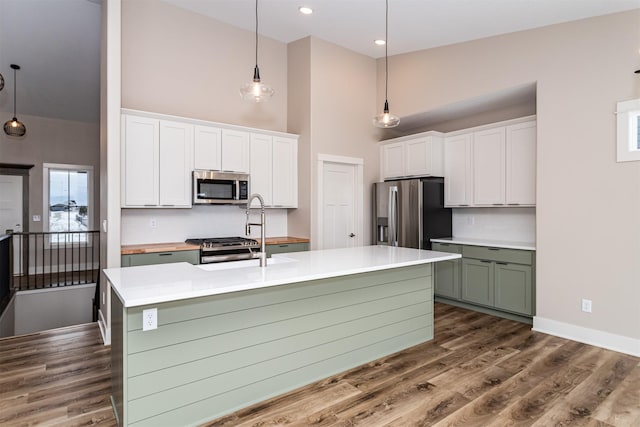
219 249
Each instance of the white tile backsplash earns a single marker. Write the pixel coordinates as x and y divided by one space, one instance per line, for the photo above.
176 225
510 224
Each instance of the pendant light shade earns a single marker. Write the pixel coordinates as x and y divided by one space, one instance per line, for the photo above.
14 127
255 90
385 119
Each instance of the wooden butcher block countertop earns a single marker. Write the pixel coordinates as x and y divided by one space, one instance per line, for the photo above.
149 248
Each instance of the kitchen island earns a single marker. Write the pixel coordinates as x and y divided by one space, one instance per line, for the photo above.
227 338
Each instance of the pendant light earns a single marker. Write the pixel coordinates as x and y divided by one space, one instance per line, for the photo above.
255 90
386 120
14 127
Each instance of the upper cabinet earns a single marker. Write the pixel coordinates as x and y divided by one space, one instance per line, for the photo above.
458 181
207 148
219 149
414 156
521 164
160 152
157 160
274 170
492 166
235 151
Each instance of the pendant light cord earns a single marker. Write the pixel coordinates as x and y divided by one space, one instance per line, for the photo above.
15 83
256 33
386 44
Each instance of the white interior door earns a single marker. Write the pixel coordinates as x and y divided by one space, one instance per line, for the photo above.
338 210
11 209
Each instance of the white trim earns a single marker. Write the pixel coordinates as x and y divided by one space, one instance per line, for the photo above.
105 332
626 111
358 197
340 159
589 336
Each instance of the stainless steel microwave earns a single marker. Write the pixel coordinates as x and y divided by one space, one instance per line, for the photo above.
211 187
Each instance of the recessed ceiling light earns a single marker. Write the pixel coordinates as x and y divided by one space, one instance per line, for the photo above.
380 42
305 10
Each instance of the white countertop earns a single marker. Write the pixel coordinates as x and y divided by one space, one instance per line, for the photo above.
527 246
154 284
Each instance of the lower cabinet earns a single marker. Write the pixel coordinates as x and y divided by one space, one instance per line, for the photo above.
447 273
191 256
477 281
286 247
498 278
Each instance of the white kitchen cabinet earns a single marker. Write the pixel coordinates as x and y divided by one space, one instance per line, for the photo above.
235 151
285 172
207 148
393 160
458 170
262 168
415 156
274 170
176 164
157 159
521 164
489 167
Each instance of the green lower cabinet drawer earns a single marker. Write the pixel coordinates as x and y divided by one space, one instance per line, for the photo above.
192 257
513 288
477 281
498 254
286 247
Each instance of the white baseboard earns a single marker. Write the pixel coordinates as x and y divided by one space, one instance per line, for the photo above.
104 330
595 337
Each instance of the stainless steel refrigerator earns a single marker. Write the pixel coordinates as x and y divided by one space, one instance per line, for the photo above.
409 213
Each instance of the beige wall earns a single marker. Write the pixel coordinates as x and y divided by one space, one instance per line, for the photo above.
588 233
331 103
178 62
52 141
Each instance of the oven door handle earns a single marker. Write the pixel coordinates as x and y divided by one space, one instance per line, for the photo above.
229 257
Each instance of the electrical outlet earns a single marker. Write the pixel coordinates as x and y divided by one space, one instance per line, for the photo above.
153 223
104 297
149 319
586 305
37 218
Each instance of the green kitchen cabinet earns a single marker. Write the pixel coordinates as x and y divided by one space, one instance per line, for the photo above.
499 278
191 256
286 247
447 273
513 290
478 281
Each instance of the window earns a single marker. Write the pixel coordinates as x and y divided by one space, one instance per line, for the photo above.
68 201
628 130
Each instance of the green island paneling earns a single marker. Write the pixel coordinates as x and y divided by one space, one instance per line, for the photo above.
212 355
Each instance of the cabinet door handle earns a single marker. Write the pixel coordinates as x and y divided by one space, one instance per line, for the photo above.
514 204
498 204
494 249
283 246
165 254
486 262
502 263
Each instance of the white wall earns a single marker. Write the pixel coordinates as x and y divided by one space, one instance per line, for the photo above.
176 225
510 224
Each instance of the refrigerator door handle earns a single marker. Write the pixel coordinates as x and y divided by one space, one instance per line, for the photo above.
393 216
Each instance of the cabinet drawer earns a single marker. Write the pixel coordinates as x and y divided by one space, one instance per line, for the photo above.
515 256
447 247
192 257
286 247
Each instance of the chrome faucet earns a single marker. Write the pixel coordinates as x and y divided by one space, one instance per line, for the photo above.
263 251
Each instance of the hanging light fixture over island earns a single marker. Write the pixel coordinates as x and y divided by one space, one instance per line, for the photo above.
255 90
385 119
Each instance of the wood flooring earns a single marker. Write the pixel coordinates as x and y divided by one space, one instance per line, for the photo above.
479 370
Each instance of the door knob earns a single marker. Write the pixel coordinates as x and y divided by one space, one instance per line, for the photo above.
352 235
